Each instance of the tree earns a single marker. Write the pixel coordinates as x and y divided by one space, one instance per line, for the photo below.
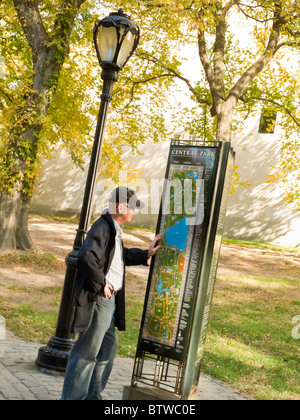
50 97
233 81
45 37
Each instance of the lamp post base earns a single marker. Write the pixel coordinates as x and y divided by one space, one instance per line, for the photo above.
54 357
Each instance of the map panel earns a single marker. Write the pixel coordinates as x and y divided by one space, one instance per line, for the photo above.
181 204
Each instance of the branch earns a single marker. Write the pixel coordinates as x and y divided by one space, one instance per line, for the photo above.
32 24
149 4
150 79
204 57
216 75
34 29
279 105
7 96
229 5
252 17
63 27
288 44
294 34
258 66
48 50
218 86
174 73
78 3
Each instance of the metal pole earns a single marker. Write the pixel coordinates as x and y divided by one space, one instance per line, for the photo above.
54 356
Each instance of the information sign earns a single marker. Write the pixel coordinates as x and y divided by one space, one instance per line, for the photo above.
171 293
183 272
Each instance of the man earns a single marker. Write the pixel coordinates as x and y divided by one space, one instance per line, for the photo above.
101 297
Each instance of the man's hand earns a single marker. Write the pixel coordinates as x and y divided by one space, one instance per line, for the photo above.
154 247
108 289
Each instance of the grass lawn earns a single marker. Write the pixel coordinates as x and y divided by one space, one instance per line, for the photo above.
249 344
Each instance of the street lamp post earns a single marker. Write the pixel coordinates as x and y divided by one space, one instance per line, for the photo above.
116 38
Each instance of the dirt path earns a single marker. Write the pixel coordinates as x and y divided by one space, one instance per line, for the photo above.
57 238
19 284
249 260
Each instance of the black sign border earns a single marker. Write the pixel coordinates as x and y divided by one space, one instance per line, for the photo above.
161 349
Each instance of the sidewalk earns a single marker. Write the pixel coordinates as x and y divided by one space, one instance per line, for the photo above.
20 378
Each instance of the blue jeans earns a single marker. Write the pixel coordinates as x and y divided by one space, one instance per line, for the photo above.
92 357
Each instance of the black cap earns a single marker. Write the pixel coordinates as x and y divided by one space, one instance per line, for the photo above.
126 195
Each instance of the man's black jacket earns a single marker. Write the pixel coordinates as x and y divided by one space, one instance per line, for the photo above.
94 260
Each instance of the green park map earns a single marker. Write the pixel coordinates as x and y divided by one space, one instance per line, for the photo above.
171 263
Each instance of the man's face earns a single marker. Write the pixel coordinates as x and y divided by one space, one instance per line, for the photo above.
126 213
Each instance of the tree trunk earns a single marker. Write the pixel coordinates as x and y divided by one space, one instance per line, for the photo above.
14 232
224 119
21 163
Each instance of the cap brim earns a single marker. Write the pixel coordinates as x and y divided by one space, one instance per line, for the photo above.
138 205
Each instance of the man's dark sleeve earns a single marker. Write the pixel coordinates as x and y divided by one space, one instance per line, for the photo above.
91 259
135 256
